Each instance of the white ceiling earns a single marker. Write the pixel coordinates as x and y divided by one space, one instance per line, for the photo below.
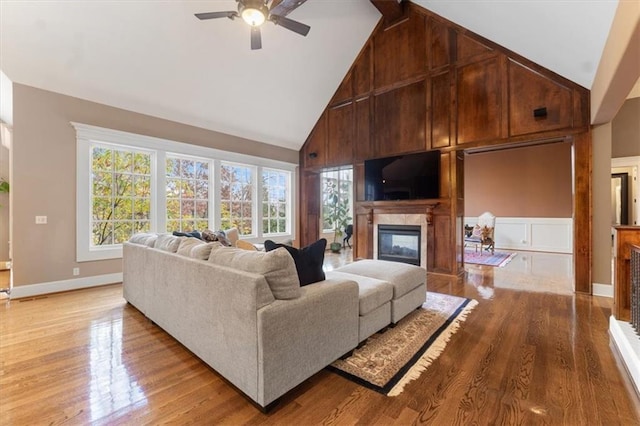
156 58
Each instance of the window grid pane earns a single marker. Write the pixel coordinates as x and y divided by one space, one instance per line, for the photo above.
120 194
275 194
187 192
236 198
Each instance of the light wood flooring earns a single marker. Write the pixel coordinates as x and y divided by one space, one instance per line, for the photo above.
527 354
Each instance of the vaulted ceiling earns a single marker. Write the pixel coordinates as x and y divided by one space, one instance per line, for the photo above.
156 58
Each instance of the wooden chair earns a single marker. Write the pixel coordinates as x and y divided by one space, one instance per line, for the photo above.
483 233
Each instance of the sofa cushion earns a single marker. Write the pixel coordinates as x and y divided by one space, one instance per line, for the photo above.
232 235
372 293
308 260
168 242
203 251
402 276
277 267
187 244
143 238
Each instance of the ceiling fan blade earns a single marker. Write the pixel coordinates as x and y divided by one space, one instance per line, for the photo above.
284 7
290 24
212 15
256 38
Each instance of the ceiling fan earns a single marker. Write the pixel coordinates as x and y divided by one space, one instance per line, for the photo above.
256 12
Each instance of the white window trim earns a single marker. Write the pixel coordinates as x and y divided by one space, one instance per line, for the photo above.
86 134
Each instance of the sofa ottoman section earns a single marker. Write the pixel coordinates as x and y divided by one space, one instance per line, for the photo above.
408 281
374 302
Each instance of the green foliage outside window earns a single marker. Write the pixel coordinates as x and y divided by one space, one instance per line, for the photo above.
120 194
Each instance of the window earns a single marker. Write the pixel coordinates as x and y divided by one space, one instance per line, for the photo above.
128 183
275 196
120 194
236 198
187 193
343 179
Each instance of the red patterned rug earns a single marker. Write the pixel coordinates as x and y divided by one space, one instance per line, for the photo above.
498 258
388 361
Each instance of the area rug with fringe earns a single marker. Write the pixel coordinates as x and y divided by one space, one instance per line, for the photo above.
498 258
391 359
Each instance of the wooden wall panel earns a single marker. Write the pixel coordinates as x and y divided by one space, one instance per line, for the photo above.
528 91
309 208
468 48
363 149
442 244
362 73
399 52
399 120
438 52
363 231
440 100
314 151
479 99
340 135
344 92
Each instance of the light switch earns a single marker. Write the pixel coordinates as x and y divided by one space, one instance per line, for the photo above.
41 220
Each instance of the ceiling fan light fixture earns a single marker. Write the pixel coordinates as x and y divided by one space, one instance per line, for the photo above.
254 12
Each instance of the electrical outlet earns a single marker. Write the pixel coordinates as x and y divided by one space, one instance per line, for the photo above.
76 271
41 220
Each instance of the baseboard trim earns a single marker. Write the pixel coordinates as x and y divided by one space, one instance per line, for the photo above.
32 290
626 341
604 290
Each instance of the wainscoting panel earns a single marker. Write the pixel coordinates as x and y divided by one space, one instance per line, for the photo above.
553 235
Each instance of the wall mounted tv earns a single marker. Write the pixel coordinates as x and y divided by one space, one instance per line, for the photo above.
404 177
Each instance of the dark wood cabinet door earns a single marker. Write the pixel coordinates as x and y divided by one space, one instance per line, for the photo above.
363 148
314 152
400 120
479 100
536 103
400 52
440 95
340 135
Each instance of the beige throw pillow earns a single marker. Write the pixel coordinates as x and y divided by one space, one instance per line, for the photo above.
203 251
187 245
276 266
232 235
168 242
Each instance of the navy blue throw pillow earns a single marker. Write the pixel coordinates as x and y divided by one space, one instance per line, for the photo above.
194 234
308 259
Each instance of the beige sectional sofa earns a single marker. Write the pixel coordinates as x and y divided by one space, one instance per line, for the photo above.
245 314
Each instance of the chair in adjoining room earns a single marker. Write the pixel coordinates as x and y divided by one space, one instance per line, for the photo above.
348 232
482 234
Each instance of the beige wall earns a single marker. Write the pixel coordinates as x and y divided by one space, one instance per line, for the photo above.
618 72
44 158
533 181
625 129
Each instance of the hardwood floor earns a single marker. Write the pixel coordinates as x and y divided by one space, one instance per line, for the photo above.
522 357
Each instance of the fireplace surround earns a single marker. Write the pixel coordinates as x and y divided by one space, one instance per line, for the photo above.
399 243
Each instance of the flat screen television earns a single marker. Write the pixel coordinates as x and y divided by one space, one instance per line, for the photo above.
403 177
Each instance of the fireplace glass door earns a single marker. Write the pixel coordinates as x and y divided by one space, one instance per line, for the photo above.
399 243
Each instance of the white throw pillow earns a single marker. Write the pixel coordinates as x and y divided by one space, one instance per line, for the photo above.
144 238
277 266
168 242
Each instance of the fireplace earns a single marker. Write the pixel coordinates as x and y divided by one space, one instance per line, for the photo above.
399 243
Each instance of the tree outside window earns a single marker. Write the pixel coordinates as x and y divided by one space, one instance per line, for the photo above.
236 198
187 193
120 194
275 195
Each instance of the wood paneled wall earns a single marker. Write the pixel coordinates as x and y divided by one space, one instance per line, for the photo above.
426 83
